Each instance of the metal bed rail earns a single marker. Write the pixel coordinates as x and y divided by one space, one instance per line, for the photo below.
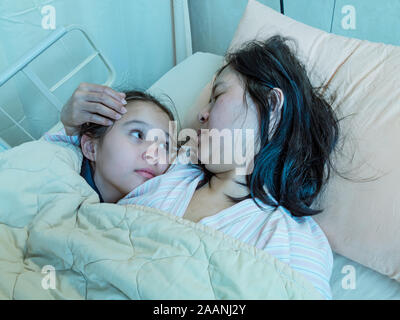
22 65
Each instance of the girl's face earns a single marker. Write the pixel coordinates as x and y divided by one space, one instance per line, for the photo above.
124 159
227 111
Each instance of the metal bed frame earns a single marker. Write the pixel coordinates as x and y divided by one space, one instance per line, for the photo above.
22 65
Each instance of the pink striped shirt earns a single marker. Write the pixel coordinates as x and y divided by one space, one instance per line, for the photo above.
299 242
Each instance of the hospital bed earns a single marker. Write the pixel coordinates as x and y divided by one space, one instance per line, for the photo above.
349 280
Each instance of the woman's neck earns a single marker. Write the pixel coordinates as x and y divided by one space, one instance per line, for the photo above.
228 184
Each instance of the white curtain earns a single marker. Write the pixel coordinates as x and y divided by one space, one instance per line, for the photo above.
182 33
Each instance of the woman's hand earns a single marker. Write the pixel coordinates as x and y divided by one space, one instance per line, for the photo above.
92 103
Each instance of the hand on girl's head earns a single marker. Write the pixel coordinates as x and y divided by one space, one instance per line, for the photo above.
92 103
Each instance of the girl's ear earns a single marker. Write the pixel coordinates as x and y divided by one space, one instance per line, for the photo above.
89 147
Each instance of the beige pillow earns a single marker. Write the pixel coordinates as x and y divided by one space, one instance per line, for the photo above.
361 219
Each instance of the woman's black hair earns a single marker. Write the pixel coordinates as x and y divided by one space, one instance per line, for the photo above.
98 131
294 163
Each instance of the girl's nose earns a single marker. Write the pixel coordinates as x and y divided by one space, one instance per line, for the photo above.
203 116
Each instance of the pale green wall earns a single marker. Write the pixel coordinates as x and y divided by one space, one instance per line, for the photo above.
377 21
214 22
316 13
135 35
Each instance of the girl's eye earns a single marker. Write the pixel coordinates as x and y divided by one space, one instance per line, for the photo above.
137 134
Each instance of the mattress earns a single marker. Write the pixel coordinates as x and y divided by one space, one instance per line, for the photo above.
352 281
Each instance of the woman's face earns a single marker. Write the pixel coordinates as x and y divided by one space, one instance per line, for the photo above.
124 159
227 114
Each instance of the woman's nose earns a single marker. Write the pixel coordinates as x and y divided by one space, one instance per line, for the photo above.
156 154
203 116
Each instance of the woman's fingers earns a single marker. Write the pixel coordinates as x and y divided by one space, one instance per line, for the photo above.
92 103
100 88
104 99
103 94
96 118
100 109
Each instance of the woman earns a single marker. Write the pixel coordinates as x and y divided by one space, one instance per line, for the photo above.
264 87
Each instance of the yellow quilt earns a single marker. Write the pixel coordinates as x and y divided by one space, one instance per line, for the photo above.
58 242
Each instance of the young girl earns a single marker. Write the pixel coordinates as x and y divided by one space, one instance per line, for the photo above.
117 158
264 87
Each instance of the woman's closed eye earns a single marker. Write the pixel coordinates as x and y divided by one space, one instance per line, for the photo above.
214 98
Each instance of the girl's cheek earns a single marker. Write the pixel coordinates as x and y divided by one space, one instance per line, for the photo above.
123 155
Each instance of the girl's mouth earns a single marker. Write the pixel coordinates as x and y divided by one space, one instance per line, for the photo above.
146 173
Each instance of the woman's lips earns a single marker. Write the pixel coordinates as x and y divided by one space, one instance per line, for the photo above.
145 173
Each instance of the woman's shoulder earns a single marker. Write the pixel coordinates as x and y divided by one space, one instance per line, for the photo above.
304 229
297 241
300 242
